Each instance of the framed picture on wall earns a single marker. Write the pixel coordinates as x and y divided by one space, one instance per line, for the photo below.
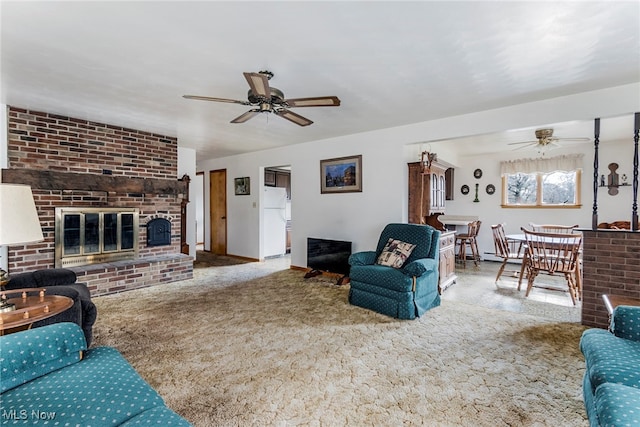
242 186
341 175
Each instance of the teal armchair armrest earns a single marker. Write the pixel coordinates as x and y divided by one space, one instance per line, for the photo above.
625 322
420 266
363 258
36 352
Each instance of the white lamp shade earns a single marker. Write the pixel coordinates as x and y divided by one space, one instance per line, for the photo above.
19 221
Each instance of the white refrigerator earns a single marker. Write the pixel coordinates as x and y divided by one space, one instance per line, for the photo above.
274 229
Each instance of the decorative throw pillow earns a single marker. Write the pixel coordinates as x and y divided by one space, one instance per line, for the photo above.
395 253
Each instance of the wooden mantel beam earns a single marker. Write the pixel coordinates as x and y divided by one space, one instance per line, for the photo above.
53 180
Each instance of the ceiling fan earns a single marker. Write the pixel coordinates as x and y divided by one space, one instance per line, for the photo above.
545 141
268 99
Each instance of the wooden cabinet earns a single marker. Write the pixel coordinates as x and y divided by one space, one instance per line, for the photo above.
427 191
427 196
447 266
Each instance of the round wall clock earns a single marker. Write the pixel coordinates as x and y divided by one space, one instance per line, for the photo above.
477 173
464 189
491 189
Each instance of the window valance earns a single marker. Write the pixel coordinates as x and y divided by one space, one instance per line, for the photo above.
567 163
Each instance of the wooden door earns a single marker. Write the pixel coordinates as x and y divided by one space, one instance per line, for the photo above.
218 211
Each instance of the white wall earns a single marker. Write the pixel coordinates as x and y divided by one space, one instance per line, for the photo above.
187 165
359 217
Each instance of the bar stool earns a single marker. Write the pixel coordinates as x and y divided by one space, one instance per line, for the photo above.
469 239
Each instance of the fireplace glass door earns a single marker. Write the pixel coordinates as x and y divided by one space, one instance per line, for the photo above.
92 235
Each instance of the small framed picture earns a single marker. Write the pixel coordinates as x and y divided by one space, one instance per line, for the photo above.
242 186
341 175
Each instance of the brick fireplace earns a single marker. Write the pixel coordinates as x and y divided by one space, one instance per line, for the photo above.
74 163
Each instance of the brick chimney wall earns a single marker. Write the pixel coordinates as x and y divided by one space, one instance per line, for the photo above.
610 266
50 142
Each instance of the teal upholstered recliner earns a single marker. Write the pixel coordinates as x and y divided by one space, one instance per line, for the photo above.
406 292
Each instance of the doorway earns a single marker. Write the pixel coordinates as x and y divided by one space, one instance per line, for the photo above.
218 211
276 211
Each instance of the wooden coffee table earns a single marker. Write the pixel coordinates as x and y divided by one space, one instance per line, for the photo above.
31 306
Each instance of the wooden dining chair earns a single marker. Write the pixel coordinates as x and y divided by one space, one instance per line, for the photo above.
553 228
469 240
553 253
508 250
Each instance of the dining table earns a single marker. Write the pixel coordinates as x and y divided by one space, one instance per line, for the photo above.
520 237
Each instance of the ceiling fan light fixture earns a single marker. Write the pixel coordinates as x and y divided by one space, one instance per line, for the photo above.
269 99
545 141
265 107
544 133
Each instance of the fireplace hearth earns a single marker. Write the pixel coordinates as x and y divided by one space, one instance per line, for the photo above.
95 235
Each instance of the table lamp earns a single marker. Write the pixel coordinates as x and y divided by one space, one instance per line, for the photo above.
19 223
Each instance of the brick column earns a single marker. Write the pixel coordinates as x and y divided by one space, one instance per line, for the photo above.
611 265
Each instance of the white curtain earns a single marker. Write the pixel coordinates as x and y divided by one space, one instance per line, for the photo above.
566 163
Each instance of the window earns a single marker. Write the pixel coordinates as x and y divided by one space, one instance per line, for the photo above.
542 183
542 189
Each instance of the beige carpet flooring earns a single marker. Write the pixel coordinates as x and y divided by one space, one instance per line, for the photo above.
206 259
254 345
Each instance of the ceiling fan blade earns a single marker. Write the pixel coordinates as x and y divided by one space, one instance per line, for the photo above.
584 139
531 144
209 98
246 116
259 84
293 117
319 101
523 142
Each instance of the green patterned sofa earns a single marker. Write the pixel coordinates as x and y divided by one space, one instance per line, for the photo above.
47 376
405 291
611 385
